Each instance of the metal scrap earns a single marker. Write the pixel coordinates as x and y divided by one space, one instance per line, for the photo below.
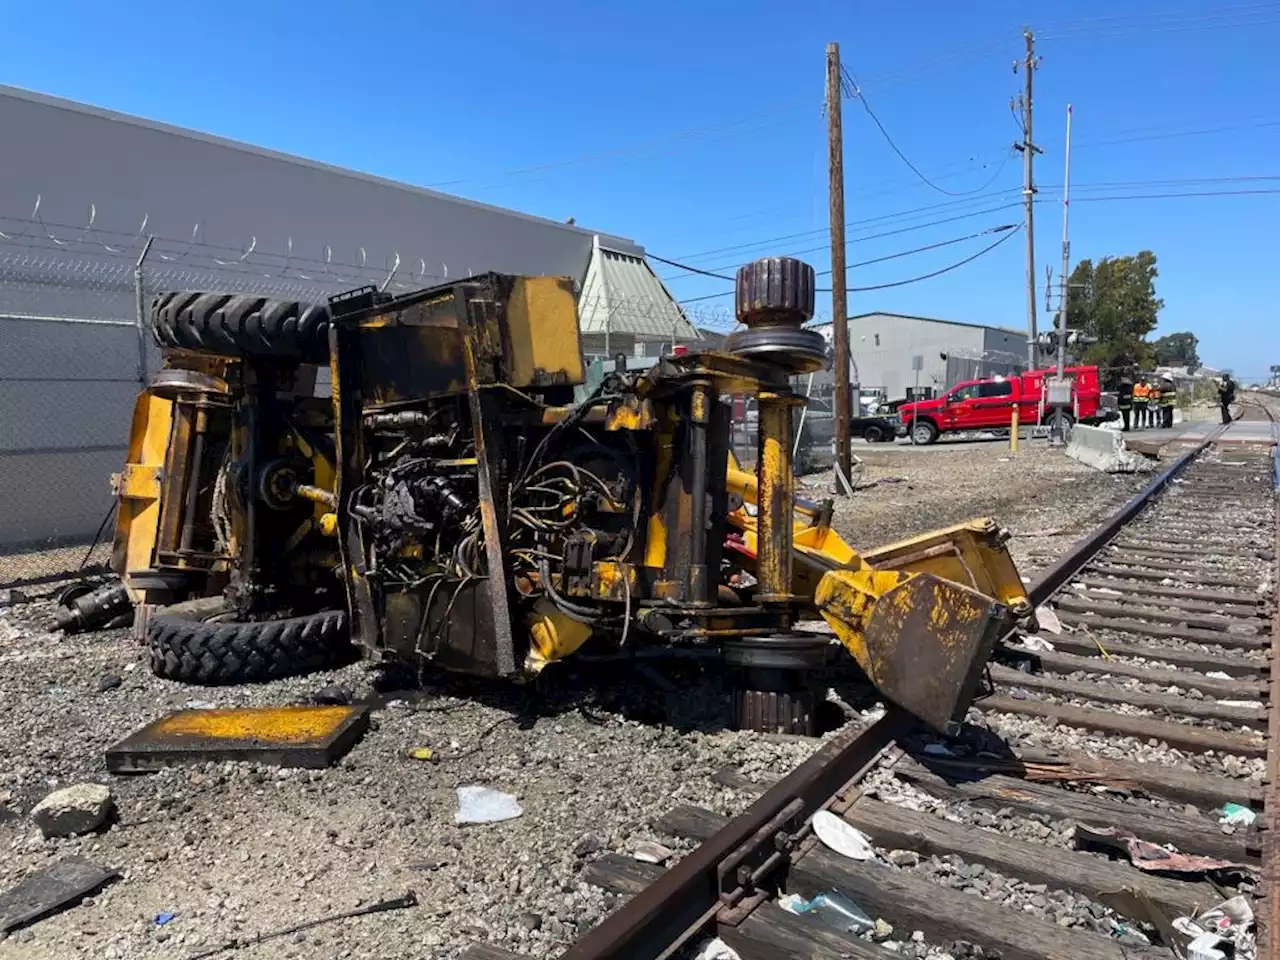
49 889
1150 856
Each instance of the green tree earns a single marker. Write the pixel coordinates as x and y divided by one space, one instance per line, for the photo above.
1178 350
1115 301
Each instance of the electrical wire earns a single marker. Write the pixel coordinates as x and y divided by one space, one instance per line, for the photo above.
685 266
938 273
861 97
931 246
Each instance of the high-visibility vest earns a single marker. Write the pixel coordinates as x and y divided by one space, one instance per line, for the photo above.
1141 392
1153 396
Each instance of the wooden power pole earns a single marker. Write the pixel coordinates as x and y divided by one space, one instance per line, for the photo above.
1029 150
839 295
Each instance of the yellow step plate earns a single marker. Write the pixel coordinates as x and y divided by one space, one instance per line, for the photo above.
311 737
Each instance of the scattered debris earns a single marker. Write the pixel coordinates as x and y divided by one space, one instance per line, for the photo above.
1236 814
835 908
423 753
334 695
1134 903
716 949
410 899
163 918
1037 644
1230 922
842 837
587 845
306 736
50 889
1048 620
1149 856
1218 675
484 805
11 597
73 810
648 852
904 858
109 681
938 750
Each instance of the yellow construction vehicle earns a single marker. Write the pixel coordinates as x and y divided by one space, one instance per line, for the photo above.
451 501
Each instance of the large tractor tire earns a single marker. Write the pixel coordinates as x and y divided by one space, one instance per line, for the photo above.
238 325
191 643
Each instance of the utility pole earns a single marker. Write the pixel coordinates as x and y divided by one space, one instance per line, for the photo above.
1029 150
1057 432
839 295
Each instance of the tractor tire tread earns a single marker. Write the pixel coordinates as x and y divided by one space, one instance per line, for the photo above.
222 654
241 325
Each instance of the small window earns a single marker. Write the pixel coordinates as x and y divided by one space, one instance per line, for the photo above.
877 339
996 388
964 393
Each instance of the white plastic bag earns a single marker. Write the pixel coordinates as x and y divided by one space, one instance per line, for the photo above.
485 805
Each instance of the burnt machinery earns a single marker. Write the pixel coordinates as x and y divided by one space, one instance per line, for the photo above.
454 502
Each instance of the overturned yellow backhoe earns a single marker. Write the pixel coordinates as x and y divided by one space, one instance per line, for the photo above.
460 498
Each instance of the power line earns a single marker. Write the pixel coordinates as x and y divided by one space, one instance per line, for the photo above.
1006 229
866 105
1171 196
937 273
878 236
924 249
685 266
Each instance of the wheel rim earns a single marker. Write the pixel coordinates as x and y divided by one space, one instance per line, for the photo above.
922 434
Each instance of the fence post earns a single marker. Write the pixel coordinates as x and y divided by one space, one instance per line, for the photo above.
140 318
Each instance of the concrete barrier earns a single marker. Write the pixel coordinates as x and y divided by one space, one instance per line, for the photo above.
1104 449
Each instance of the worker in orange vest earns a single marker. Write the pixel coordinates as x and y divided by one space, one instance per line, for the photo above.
1141 398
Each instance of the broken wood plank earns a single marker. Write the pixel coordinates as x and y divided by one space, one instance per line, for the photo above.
1219 638
1109 693
1199 834
771 932
1176 616
1086 874
1176 593
1190 659
1167 782
621 874
1059 662
1181 736
910 902
1190 547
1137 573
483 951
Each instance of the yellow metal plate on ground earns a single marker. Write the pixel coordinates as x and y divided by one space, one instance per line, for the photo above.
311 737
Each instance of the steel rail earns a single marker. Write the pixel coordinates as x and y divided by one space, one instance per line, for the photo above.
1270 820
688 894
1083 551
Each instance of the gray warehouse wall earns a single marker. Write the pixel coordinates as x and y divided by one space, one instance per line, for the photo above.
882 345
81 186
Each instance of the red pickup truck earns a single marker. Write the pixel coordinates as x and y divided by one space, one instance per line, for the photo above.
988 404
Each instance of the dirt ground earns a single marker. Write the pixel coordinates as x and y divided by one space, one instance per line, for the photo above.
235 849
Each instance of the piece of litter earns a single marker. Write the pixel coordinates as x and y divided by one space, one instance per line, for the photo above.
842 837
938 750
1149 856
422 753
484 805
163 918
1048 620
716 949
1235 813
1205 947
1003 459
1038 644
1026 579
49 889
794 903
648 852
1218 675
1105 590
1251 704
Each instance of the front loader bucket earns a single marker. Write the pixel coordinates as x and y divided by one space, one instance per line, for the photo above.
924 642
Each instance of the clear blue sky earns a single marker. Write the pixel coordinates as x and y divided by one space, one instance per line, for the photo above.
693 127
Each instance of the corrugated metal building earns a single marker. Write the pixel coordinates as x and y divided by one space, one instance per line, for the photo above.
883 348
83 187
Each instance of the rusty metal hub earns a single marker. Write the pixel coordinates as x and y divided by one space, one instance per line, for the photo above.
775 690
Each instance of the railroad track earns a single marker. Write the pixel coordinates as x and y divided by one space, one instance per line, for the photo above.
1169 631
